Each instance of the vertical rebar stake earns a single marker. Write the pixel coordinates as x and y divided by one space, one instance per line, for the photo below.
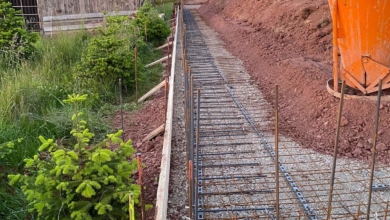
373 151
166 86
121 103
135 73
277 150
358 214
197 154
336 148
192 137
187 123
139 160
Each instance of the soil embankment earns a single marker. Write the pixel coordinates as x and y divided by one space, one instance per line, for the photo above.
289 43
137 125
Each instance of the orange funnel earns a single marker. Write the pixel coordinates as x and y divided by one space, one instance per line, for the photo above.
362 30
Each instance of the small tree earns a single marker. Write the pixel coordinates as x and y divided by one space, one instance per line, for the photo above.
110 56
81 181
156 29
15 41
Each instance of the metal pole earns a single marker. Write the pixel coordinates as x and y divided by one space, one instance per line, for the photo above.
166 98
135 72
358 214
186 94
277 150
191 105
336 148
139 160
197 153
121 103
373 152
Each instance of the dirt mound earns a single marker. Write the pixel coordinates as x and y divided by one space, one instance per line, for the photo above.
137 125
289 43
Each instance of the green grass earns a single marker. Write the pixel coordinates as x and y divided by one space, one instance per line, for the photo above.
165 7
31 95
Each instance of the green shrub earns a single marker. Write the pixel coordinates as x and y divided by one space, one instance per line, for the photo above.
150 25
15 41
110 56
80 180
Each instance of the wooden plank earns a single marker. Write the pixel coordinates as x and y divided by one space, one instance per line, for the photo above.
152 91
163 181
70 27
154 133
165 45
85 16
158 61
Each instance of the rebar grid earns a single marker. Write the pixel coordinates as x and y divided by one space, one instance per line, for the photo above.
234 165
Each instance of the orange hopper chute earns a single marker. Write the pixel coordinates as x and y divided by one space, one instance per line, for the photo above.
361 31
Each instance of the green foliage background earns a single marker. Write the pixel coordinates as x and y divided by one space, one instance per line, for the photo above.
31 94
80 180
15 41
150 25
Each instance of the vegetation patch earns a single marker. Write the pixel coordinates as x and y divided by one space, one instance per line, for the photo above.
33 84
78 179
15 41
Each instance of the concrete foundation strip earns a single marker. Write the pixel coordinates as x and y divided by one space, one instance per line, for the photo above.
163 183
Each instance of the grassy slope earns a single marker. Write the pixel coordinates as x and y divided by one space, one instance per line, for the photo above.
30 104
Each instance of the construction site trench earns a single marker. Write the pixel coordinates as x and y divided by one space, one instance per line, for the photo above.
223 147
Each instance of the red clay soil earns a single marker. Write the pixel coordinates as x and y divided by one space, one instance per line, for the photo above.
137 125
289 43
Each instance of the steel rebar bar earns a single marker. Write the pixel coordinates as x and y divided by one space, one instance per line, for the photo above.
336 148
373 152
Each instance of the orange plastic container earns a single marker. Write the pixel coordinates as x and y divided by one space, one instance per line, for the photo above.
362 30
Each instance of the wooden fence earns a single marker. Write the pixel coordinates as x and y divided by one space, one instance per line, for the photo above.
69 7
35 10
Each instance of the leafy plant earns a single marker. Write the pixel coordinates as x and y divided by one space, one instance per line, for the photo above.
7 148
150 25
15 41
148 207
110 56
80 180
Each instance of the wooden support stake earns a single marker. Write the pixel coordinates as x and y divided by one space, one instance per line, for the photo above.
154 133
158 61
152 91
165 45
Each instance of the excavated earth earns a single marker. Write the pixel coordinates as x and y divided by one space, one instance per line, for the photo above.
289 43
137 125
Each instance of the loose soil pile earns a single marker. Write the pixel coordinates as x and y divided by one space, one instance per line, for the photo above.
289 43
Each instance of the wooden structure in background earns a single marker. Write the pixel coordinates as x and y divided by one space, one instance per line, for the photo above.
29 9
71 7
36 12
